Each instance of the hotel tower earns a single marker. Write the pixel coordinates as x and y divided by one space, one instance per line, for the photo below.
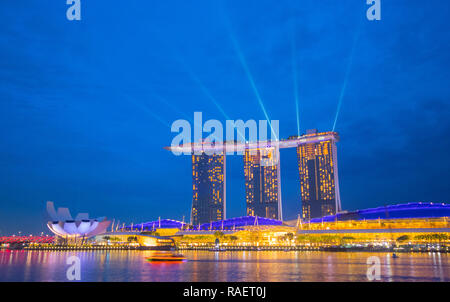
208 198
319 184
262 183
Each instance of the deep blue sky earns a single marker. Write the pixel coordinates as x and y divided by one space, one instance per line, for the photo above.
86 107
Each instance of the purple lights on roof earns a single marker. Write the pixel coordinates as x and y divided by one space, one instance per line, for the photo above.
157 224
238 222
408 210
227 224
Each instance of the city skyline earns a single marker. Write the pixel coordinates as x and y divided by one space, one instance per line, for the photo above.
86 108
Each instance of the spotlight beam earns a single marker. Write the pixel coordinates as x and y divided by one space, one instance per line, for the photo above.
162 100
206 92
295 78
171 106
252 82
347 74
243 62
148 111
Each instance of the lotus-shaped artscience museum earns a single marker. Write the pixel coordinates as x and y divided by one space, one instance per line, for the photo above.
62 223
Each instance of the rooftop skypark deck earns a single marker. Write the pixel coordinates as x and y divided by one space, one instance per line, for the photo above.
236 146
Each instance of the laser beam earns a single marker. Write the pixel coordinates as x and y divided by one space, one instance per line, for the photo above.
171 106
243 62
347 74
148 111
295 77
207 93
252 82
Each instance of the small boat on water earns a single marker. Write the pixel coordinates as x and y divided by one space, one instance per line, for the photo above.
166 257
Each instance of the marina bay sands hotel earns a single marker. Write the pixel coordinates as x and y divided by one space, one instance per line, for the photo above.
317 166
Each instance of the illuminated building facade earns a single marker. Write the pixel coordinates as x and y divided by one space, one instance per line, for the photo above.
238 223
317 164
262 183
208 178
410 227
62 224
414 222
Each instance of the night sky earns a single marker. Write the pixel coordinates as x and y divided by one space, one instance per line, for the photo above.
86 106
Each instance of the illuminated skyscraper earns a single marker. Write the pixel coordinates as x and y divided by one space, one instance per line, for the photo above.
262 183
208 199
319 184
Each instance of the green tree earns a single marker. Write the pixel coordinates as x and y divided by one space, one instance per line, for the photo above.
233 238
218 234
403 238
151 233
132 239
254 236
345 239
281 238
